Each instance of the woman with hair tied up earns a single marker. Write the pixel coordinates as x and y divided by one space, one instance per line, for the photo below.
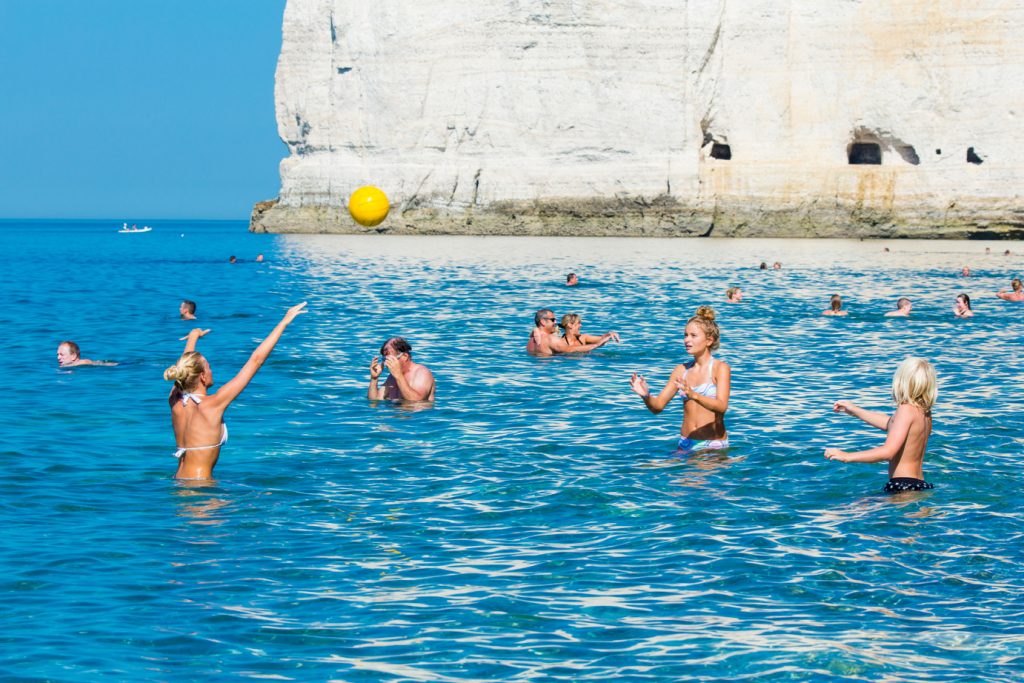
835 306
703 384
198 417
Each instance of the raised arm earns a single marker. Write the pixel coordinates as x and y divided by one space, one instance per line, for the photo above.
192 338
873 418
593 338
723 386
656 402
374 392
894 441
230 391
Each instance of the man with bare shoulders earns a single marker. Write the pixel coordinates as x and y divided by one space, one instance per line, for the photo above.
187 310
1016 295
69 356
903 307
408 381
545 341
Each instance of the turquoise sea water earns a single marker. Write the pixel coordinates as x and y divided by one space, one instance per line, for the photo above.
534 525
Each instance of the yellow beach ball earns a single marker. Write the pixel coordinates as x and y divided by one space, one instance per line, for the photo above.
368 206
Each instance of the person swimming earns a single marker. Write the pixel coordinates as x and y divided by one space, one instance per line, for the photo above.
836 306
1016 295
572 336
197 417
734 295
914 390
704 385
69 355
903 308
962 308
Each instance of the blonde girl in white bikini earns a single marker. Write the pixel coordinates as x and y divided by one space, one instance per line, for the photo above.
198 417
703 384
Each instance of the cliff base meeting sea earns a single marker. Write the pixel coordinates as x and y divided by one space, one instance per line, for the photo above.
535 524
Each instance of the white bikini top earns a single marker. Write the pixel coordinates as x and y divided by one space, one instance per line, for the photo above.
182 450
709 389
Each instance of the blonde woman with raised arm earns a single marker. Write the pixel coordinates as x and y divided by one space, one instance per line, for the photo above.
197 416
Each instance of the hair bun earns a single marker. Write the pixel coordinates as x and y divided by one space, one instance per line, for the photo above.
706 312
171 373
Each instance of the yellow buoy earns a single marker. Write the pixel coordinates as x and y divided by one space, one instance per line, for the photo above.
368 206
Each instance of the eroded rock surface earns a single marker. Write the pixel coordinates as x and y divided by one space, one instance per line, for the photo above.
653 117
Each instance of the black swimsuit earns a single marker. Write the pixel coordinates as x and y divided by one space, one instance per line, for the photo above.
901 484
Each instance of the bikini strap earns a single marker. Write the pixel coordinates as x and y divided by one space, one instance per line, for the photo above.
189 396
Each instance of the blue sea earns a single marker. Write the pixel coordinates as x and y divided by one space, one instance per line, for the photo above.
535 524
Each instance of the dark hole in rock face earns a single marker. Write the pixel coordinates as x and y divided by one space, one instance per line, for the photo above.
973 158
865 153
909 154
938 151
720 151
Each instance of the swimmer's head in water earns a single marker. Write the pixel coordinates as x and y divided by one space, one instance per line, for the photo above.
915 382
836 302
1016 284
734 294
571 279
903 303
188 373
965 299
569 319
704 320
68 352
188 307
395 347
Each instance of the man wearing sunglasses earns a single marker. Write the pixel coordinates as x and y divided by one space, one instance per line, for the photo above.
544 340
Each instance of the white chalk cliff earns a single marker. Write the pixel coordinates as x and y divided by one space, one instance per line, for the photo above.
654 117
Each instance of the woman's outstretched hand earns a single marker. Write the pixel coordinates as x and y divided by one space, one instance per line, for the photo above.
843 407
196 333
835 454
294 311
638 383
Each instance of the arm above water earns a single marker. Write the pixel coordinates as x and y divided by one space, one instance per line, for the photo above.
656 402
873 418
230 391
894 441
192 338
559 345
419 388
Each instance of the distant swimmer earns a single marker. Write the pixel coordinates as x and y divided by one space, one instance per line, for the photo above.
962 308
764 265
70 356
965 272
1016 295
408 381
571 280
198 417
835 306
903 307
544 340
703 384
733 295
914 391
571 335
777 265
259 258
232 259
187 310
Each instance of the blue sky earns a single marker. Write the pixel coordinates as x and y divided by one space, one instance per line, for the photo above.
135 109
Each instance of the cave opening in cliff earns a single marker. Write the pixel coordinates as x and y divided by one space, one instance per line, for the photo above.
973 158
864 153
909 154
721 151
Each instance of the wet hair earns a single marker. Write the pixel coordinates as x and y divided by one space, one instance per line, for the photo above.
705 317
398 345
569 319
72 347
232 259
539 315
764 265
731 291
1016 284
569 277
185 373
967 300
915 382
836 302
190 306
901 302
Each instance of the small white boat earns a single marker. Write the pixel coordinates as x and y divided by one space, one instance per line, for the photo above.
126 229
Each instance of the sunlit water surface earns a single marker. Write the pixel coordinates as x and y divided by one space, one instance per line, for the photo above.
534 525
